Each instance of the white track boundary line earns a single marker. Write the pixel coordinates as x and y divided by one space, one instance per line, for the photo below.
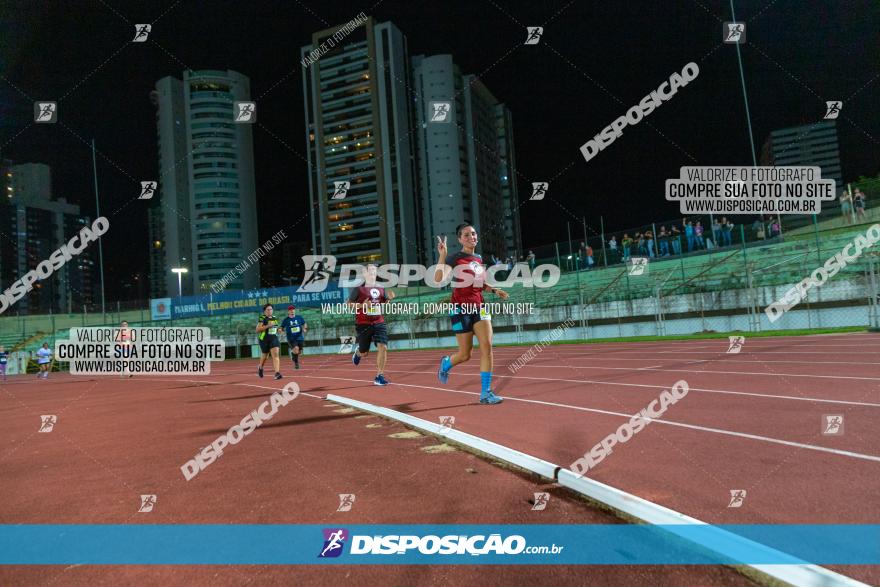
806 575
835 451
646 385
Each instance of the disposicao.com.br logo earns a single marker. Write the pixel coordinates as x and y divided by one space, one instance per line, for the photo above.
320 270
334 540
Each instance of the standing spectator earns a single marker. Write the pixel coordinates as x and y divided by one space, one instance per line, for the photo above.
689 234
758 229
727 231
649 241
859 203
627 246
675 236
663 239
775 229
846 203
716 233
589 257
531 259
698 235
582 255
612 247
640 241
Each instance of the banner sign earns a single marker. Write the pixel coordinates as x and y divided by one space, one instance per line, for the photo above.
241 301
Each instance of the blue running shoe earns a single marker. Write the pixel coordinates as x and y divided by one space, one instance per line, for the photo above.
443 372
356 359
490 398
380 380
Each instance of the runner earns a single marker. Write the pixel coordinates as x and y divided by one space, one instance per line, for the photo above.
267 328
124 337
294 328
4 358
369 323
44 357
469 319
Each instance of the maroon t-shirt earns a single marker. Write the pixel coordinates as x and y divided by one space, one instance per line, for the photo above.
473 266
368 293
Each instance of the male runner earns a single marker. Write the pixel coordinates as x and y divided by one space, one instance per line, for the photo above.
4 358
44 360
294 328
369 323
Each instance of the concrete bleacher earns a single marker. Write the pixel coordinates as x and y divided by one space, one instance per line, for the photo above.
770 264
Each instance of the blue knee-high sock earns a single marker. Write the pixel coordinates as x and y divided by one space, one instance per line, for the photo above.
486 381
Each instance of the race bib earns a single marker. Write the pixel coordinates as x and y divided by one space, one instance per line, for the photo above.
273 330
484 315
294 329
373 310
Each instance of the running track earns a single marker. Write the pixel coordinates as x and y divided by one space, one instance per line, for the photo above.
751 421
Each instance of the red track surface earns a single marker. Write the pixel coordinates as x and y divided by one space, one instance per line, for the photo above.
118 438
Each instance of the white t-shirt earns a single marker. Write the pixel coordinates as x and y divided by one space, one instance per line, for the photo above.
43 356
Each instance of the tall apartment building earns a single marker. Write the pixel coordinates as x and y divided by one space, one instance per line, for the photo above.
204 216
36 225
466 161
359 139
810 144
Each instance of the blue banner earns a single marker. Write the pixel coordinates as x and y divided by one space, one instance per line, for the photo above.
618 544
239 301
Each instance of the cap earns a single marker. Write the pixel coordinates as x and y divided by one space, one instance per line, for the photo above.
291 307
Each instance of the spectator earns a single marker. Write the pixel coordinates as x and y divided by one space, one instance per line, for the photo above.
612 247
758 229
716 233
663 239
689 234
531 259
649 241
698 235
846 203
582 255
640 242
775 229
627 246
589 257
859 203
675 236
727 231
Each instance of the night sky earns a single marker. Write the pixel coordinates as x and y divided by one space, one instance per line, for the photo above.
595 60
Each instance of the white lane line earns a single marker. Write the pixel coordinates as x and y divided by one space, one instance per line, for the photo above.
666 422
650 386
659 368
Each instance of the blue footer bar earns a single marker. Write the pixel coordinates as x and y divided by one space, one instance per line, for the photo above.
622 544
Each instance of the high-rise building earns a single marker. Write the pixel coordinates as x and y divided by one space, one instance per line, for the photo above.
466 162
203 217
810 144
37 225
358 134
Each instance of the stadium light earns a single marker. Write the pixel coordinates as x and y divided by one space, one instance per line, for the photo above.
180 271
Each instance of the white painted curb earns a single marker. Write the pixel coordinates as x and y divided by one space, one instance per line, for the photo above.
801 575
509 455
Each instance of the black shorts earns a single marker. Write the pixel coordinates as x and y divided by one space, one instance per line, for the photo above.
464 323
300 342
268 343
367 333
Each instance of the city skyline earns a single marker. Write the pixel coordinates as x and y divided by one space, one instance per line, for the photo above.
577 79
